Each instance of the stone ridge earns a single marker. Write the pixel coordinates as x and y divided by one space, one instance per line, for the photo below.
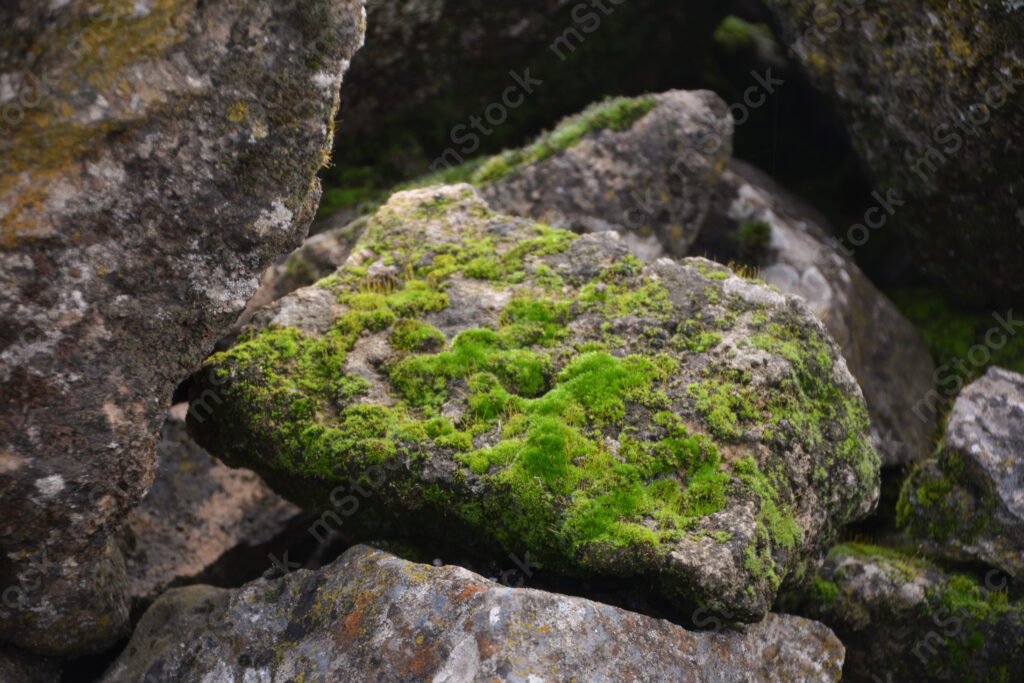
528 390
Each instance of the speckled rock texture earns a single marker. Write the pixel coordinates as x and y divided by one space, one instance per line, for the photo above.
484 380
968 501
902 618
756 222
648 173
373 616
157 156
196 511
933 98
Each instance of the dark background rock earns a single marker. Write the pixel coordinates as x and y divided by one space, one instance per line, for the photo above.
914 81
165 155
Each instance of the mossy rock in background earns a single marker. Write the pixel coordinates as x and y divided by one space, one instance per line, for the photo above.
903 618
420 90
966 502
508 387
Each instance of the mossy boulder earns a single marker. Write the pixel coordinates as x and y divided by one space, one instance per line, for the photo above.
903 618
645 167
932 97
372 616
440 82
967 502
512 387
155 158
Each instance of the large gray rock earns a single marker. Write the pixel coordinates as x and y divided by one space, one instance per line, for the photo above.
645 167
968 501
756 222
156 158
196 512
933 100
372 616
490 382
901 618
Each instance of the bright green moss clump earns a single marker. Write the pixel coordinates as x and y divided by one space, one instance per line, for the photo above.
616 114
579 413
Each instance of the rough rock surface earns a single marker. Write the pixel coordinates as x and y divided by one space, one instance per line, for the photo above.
482 379
157 156
932 97
968 501
756 222
903 619
196 511
644 167
373 616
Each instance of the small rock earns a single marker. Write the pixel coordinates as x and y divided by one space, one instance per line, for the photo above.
644 167
968 501
902 618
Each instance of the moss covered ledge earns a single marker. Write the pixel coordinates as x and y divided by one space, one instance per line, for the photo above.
518 388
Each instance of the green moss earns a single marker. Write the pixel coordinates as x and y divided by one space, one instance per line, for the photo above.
934 506
735 33
584 457
413 335
617 114
823 592
755 236
949 331
724 406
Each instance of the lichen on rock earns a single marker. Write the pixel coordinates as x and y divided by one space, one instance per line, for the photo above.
372 616
904 618
521 388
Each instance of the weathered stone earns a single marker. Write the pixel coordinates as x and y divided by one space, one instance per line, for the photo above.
932 98
756 222
483 380
157 156
373 616
968 501
644 167
902 618
196 511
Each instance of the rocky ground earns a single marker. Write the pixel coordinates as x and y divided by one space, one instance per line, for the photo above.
631 341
